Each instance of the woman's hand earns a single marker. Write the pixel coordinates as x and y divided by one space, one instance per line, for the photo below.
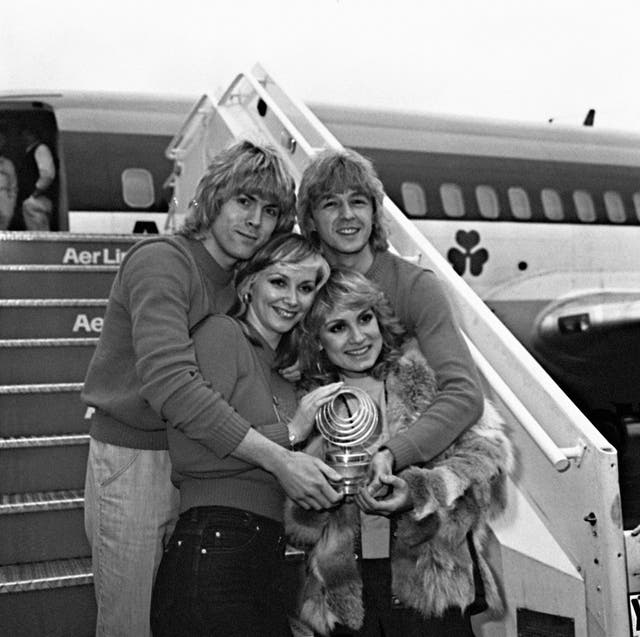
397 500
302 422
381 464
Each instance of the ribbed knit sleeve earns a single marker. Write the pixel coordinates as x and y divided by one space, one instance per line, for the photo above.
422 305
159 287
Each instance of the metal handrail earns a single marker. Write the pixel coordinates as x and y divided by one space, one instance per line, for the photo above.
558 457
177 140
291 129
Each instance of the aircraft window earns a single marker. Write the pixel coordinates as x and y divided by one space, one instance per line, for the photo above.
636 203
519 202
615 207
413 199
137 187
585 208
487 202
452 200
552 204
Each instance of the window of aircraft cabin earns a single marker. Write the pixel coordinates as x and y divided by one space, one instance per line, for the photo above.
413 199
137 187
519 202
585 208
636 204
452 201
615 207
552 204
487 202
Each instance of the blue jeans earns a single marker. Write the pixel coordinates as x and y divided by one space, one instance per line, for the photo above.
221 575
130 510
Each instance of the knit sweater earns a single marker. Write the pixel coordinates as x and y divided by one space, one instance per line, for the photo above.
143 375
422 306
241 369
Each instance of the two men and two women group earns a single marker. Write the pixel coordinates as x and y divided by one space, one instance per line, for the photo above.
220 345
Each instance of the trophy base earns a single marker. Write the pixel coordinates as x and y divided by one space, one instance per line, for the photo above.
353 469
348 486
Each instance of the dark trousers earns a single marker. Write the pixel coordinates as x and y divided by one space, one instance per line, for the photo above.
385 616
221 575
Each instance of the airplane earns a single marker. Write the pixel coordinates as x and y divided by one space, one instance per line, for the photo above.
541 220
452 179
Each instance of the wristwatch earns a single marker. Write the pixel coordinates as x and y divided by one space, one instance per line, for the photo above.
292 439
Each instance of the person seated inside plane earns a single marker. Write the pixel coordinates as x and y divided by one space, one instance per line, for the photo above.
36 184
374 562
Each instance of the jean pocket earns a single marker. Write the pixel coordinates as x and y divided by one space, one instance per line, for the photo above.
224 537
111 461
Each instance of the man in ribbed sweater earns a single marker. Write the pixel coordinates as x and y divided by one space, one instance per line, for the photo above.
144 377
340 208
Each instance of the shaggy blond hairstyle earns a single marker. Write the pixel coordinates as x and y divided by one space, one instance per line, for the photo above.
347 290
244 168
337 171
287 248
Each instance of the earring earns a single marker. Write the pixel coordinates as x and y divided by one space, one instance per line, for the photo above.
246 298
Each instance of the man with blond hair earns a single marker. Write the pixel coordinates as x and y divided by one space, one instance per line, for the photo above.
144 377
340 209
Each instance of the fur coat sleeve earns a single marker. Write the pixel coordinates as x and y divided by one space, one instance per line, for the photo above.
440 542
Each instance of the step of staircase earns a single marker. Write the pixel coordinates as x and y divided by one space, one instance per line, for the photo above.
42 410
60 248
56 281
45 526
53 291
45 360
51 318
47 598
43 463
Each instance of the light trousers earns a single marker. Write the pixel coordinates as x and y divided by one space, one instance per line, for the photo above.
131 508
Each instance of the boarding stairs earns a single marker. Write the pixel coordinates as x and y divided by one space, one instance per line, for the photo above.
53 291
559 551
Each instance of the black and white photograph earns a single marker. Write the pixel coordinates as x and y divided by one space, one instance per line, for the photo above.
319 318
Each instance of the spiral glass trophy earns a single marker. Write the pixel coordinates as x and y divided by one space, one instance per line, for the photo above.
347 422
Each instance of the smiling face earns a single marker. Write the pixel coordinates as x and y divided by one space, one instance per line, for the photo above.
245 222
344 223
352 340
280 297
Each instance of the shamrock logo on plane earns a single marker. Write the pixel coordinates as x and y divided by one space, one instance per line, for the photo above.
476 258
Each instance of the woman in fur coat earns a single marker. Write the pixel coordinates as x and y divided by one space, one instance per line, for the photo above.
403 557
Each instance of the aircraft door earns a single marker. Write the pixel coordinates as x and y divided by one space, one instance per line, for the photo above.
31 148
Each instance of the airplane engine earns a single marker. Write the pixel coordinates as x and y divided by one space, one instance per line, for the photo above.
590 344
